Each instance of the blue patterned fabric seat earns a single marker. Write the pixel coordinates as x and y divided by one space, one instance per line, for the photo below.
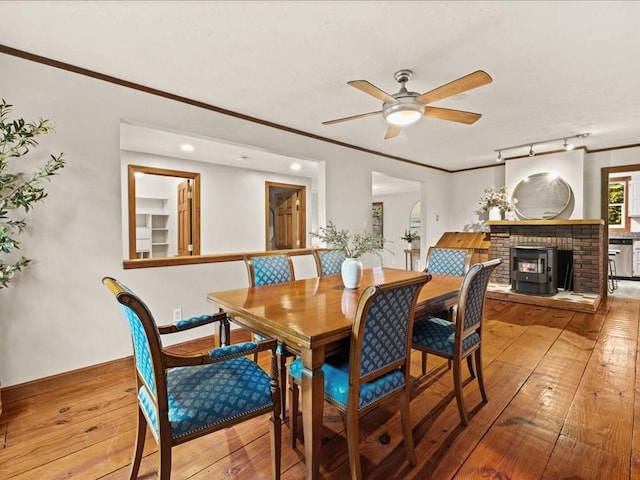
269 270
377 365
462 338
181 398
328 262
448 261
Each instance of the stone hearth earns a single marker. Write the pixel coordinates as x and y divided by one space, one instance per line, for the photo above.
585 238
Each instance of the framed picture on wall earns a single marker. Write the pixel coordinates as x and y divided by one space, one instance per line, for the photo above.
377 221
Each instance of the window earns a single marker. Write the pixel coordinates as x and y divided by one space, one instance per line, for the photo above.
618 217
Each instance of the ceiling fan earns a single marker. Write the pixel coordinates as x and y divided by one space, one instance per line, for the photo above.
405 107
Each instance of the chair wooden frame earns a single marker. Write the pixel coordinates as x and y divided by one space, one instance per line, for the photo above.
284 352
162 361
353 411
474 354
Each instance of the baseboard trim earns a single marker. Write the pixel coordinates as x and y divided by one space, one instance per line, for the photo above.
47 384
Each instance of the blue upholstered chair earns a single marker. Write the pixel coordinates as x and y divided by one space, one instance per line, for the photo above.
181 398
268 270
448 261
377 365
328 262
462 338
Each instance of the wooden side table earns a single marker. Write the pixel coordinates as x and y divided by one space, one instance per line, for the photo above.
408 255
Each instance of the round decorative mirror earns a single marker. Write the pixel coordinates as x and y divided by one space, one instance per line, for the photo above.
541 196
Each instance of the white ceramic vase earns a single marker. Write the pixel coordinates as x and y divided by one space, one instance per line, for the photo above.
351 272
495 214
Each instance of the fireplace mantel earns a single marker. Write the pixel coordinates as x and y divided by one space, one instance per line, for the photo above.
571 222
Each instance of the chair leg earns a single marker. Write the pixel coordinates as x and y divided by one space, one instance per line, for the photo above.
424 363
478 357
282 370
293 407
406 427
470 366
457 385
353 442
276 445
164 450
139 445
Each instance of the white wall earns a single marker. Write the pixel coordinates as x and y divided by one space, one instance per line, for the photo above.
56 316
396 211
467 189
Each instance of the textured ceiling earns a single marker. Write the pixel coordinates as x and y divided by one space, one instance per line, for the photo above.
559 68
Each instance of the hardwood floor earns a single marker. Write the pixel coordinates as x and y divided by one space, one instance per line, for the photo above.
563 404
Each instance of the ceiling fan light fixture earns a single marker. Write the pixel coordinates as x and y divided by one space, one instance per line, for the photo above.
402 114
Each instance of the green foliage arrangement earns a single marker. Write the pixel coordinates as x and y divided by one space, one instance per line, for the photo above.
19 191
353 245
409 236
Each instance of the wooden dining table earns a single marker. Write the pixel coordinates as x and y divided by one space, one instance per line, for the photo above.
313 317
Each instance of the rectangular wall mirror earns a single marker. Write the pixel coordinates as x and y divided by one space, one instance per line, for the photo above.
164 212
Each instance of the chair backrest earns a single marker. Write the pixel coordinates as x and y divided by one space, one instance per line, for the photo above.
147 348
328 262
269 269
448 261
381 331
472 295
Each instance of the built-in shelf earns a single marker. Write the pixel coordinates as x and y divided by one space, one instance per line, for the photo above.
152 228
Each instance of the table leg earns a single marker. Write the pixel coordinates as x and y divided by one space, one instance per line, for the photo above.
312 409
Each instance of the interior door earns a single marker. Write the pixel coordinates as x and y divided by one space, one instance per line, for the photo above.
286 220
185 246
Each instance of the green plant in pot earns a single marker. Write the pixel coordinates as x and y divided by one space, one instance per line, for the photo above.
353 245
19 190
410 236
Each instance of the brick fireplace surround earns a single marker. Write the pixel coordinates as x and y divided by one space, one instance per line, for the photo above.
584 237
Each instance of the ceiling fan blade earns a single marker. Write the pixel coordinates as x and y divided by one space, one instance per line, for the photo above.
392 131
362 115
371 89
459 116
462 84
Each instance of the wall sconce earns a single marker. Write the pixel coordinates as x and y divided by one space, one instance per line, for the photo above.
565 144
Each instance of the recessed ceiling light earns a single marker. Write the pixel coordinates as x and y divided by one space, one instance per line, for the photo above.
186 147
241 158
295 166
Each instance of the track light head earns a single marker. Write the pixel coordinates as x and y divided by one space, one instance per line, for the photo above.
499 157
567 146
531 152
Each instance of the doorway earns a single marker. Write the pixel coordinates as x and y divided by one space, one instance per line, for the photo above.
608 212
285 216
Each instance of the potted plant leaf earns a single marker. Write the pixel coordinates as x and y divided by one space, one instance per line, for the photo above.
19 190
410 236
353 245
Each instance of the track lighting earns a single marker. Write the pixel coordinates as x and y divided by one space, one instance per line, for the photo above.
565 144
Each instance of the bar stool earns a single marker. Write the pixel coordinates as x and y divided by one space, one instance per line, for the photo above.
613 281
